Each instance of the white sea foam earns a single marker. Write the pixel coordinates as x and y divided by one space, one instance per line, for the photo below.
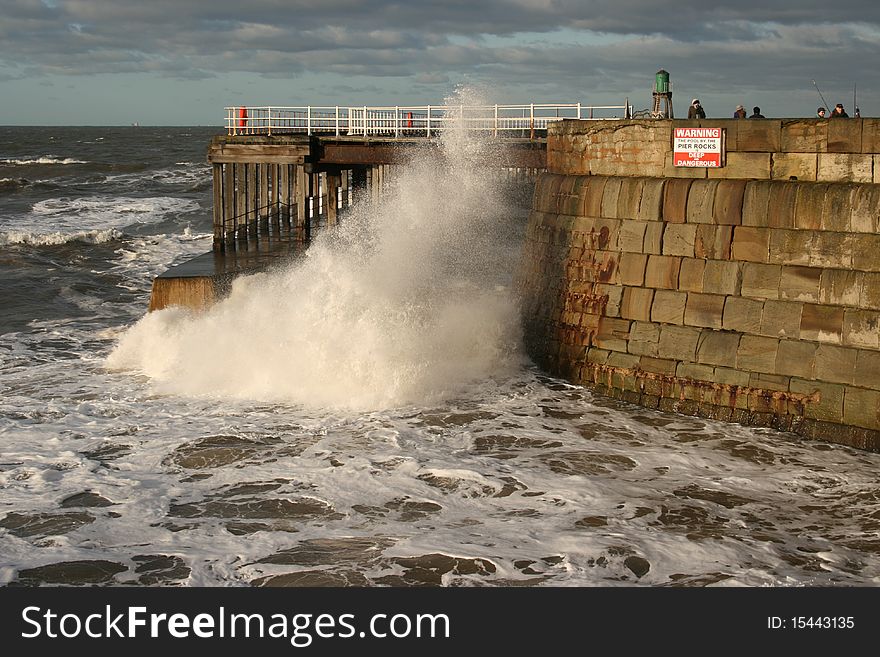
55 238
399 305
45 159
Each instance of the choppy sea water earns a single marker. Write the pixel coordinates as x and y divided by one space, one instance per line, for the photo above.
361 417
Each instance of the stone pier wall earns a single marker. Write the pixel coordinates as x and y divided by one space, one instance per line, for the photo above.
748 293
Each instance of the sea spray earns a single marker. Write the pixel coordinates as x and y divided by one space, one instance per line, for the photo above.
404 302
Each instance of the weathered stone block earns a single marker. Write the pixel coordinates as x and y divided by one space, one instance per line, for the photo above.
654 237
781 319
835 364
644 332
791 247
759 136
704 310
701 201
662 272
658 365
794 166
630 197
651 204
690 276
611 197
810 206
713 242
631 270
844 136
598 356
612 334
728 205
865 211
751 244
800 284
822 324
866 252
831 250
731 377
782 204
837 208
870 295
761 281
613 295
757 354
871 135
743 315
717 348
636 303
675 201
668 307
862 408
678 239
867 372
592 193
746 166
763 381
795 358
839 287
861 328
695 371
756 202
845 167
722 277
679 342
828 405
623 360
804 136
631 236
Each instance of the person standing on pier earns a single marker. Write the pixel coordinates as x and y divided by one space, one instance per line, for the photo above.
695 111
820 113
740 112
756 113
839 112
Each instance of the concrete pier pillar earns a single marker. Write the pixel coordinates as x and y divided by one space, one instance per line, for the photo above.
333 183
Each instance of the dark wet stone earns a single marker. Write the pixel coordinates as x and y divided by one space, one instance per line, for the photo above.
587 463
637 565
245 528
410 510
329 551
723 498
314 579
44 524
429 569
108 452
506 447
252 509
71 573
560 414
748 452
216 451
370 511
592 521
553 559
696 521
86 499
157 569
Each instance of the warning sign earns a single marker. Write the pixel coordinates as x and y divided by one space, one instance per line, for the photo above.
698 147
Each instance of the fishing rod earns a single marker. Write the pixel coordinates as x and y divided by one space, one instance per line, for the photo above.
824 102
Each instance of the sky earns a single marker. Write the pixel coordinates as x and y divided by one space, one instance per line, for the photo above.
180 62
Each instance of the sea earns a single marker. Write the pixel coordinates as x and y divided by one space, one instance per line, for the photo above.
362 414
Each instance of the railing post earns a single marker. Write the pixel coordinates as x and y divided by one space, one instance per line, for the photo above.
495 130
309 120
532 121
579 111
337 120
429 122
365 120
269 120
396 121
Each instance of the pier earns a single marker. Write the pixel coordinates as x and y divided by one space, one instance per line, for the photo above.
280 173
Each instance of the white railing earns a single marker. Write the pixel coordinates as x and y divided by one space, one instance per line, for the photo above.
503 121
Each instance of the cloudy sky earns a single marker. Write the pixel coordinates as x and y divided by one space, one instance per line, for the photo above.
179 62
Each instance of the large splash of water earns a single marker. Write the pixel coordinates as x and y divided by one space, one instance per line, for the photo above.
404 302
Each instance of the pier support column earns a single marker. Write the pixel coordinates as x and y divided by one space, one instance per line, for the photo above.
303 191
359 182
333 181
284 215
219 227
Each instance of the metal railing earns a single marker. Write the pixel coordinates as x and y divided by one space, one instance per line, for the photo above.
510 121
